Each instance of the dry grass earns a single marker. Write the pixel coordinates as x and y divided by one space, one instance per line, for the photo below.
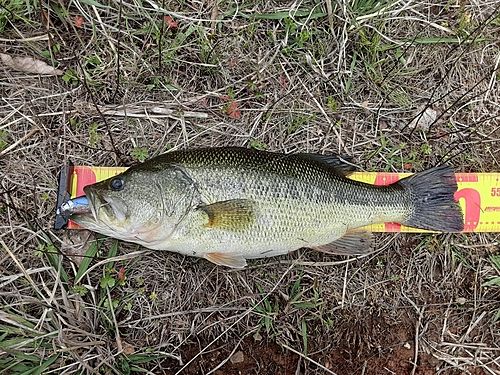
342 77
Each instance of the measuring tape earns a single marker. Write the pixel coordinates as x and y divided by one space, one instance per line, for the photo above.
478 194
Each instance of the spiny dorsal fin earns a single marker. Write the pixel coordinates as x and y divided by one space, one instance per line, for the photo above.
235 214
340 164
226 259
352 243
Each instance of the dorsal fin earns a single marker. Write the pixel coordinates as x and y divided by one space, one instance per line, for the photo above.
341 164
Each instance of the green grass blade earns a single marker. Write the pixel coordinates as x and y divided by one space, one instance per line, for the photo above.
493 282
41 368
88 257
495 260
54 260
303 333
113 250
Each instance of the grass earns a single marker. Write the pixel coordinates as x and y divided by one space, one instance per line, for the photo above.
345 77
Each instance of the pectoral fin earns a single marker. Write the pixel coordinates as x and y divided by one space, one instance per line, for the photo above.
226 259
352 243
235 214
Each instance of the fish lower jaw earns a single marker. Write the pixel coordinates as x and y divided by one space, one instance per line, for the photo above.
89 223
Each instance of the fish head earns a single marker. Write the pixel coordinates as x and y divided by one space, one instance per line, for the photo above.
138 205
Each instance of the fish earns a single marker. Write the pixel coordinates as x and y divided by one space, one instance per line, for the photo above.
232 204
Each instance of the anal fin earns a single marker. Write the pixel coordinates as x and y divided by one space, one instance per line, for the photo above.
352 243
226 259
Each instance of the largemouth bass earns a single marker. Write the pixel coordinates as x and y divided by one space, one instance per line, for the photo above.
232 204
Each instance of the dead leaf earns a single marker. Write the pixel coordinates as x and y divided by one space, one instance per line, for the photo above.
408 166
283 80
233 111
29 65
121 274
171 23
79 21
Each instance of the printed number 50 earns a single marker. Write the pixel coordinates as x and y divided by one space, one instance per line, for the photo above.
495 192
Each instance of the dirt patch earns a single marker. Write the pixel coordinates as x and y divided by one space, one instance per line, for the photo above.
270 359
263 358
390 353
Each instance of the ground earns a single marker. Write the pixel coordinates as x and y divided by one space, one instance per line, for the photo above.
397 86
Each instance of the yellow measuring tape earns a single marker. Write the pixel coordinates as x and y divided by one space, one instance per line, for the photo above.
477 193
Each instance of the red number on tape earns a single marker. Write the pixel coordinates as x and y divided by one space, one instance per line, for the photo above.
472 207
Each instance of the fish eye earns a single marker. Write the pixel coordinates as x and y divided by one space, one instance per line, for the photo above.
117 184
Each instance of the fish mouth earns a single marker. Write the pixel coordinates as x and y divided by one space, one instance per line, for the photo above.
113 208
88 218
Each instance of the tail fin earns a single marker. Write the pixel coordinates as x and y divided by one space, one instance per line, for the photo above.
434 207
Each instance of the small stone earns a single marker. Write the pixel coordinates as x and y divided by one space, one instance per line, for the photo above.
461 300
237 357
128 349
407 345
424 119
